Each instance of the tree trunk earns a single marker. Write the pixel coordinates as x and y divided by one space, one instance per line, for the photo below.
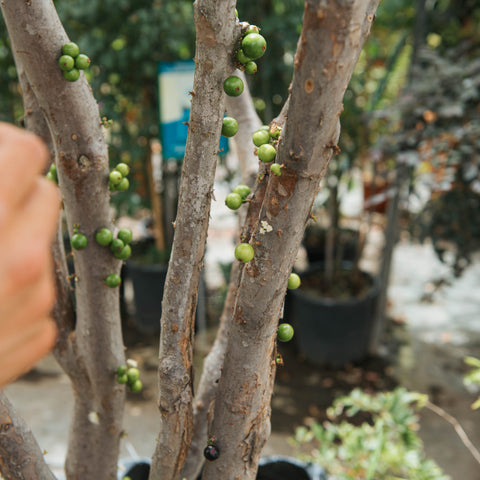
332 37
95 346
215 23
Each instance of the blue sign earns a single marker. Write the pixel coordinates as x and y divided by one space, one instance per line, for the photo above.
175 81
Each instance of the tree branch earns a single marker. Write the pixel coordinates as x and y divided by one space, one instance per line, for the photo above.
332 37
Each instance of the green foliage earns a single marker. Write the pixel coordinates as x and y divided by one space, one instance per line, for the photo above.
473 377
384 446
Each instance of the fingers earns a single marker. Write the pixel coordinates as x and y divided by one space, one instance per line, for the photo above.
23 156
26 349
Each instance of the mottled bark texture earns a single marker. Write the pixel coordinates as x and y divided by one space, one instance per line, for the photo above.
20 455
216 27
332 37
94 348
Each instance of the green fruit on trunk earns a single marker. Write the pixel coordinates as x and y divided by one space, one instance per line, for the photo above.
251 68
124 253
260 137
104 237
121 370
276 169
293 281
113 280
233 86
116 245
66 63
241 57
126 235
244 252
71 49
136 386
254 45
123 185
242 190
123 168
285 332
133 374
233 201
266 153
122 379
252 29
229 127
82 62
72 75
115 177
78 241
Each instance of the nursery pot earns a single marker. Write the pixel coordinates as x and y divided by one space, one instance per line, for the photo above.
331 331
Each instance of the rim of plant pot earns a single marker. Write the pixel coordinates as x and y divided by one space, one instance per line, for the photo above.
312 471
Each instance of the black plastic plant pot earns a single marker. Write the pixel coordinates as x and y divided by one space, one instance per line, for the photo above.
333 331
279 467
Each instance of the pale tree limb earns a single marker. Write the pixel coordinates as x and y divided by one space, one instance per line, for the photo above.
21 456
82 163
332 37
216 31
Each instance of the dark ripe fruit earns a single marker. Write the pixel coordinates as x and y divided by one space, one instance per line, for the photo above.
254 45
124 253
78 241
125 235
115 177
285 332
113 280
104 236
233 86
71 49
116 245
251 68
233 201
82 62
72 75
242 190
276 169
241 57
66 63
266 153
123 168
136 386
229 127
293 281
244 252
211 452
123 185
260 137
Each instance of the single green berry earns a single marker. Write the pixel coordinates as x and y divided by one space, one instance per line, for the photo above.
78 241
123 168
113 280
51 177
66 63
133 374
122 379
293 281
275 132
266 128
276 169
124 253
236 13
285 332
233 201
233 86
136 386
254 45
52 173
123 185
104 236
122 370
126 235
251 68
242 190
266 153
116 245
260 137
72 75
244 252
115 177
71 49
241 57
252 29
82 62
229 127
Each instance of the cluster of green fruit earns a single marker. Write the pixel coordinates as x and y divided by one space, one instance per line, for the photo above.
129 374
52 173
237 197
72 61
119 246
117 179
266 141
252 47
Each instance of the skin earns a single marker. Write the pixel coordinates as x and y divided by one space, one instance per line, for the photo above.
29 205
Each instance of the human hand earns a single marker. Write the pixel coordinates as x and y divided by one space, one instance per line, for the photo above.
29 206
